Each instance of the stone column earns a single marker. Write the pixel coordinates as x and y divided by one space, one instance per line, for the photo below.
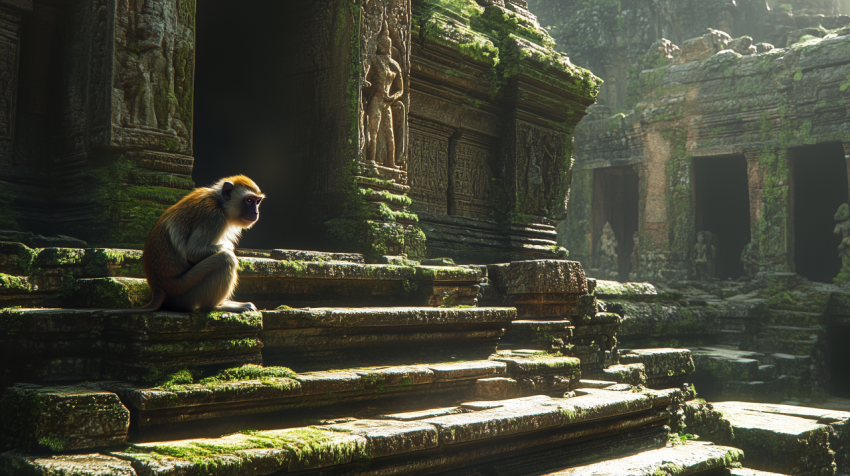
11 15
373 217
124 151
754 184
771 207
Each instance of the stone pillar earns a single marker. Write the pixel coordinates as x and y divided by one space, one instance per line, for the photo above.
772 207
754 184
124 149
11 16
373 217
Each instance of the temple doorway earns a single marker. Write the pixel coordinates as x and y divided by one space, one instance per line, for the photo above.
616 202
820 187
723 208
255 82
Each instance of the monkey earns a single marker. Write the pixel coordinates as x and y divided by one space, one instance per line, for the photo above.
188 258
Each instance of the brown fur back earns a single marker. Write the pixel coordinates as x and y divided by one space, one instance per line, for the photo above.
162 258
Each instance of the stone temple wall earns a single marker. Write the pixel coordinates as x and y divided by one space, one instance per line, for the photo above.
712 101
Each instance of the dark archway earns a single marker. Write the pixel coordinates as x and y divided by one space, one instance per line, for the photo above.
723 208
838 360
255 84
820 187
616 202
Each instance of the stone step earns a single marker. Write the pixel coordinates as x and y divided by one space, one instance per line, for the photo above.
732 336
770 345
776 317
796 365
322 338
751 472
767 372
792 333
266 281
691 458
665 367
55 345
513 433
781 438
724 366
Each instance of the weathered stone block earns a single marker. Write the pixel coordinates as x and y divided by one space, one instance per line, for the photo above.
498 388
61 418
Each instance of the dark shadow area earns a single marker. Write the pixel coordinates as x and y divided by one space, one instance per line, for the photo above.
255 84
820 187
838 360
616 202
723 208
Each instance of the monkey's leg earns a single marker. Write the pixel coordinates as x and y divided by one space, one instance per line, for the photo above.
214 288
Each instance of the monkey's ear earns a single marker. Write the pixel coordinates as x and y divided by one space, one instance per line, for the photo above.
226 190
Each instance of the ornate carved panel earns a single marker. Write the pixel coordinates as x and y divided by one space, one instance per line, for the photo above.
428 170
470 187
385 94
541 171
149 101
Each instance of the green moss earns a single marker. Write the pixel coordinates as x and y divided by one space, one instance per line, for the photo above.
18 418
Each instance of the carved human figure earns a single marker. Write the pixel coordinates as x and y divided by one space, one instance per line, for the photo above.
536 191
704 253
384 80
842 216
750 260
635 257
609 258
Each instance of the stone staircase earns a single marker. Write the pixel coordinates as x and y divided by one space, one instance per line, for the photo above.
761 342
354 368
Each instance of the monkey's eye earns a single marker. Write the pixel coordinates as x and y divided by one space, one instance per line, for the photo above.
250 201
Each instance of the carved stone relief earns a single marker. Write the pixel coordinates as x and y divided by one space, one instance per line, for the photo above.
539 171
469 194
428 171
385 97
154 68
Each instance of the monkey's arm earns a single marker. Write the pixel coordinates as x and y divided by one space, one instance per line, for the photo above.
198 246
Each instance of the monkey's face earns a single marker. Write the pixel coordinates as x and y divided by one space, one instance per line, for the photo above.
250 210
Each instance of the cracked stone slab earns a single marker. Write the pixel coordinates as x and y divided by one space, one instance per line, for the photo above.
468 370
65 465
389 437
680 460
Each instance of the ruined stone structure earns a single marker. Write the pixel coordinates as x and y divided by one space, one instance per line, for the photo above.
772 127
434 129
421 113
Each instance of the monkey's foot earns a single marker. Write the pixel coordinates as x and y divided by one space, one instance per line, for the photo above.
233 306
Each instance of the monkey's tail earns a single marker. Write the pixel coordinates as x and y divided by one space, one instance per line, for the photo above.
156 302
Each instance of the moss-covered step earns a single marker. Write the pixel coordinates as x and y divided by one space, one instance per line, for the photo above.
665 367
59 418
288 277
541 373
483 433
615 289
56 345
321 338
65 465
781 438
269 283
691 458
252 389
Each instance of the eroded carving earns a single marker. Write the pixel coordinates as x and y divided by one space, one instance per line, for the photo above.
608 257
539 170
471 181
428 172
705 253
385 97
154 66
750 260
